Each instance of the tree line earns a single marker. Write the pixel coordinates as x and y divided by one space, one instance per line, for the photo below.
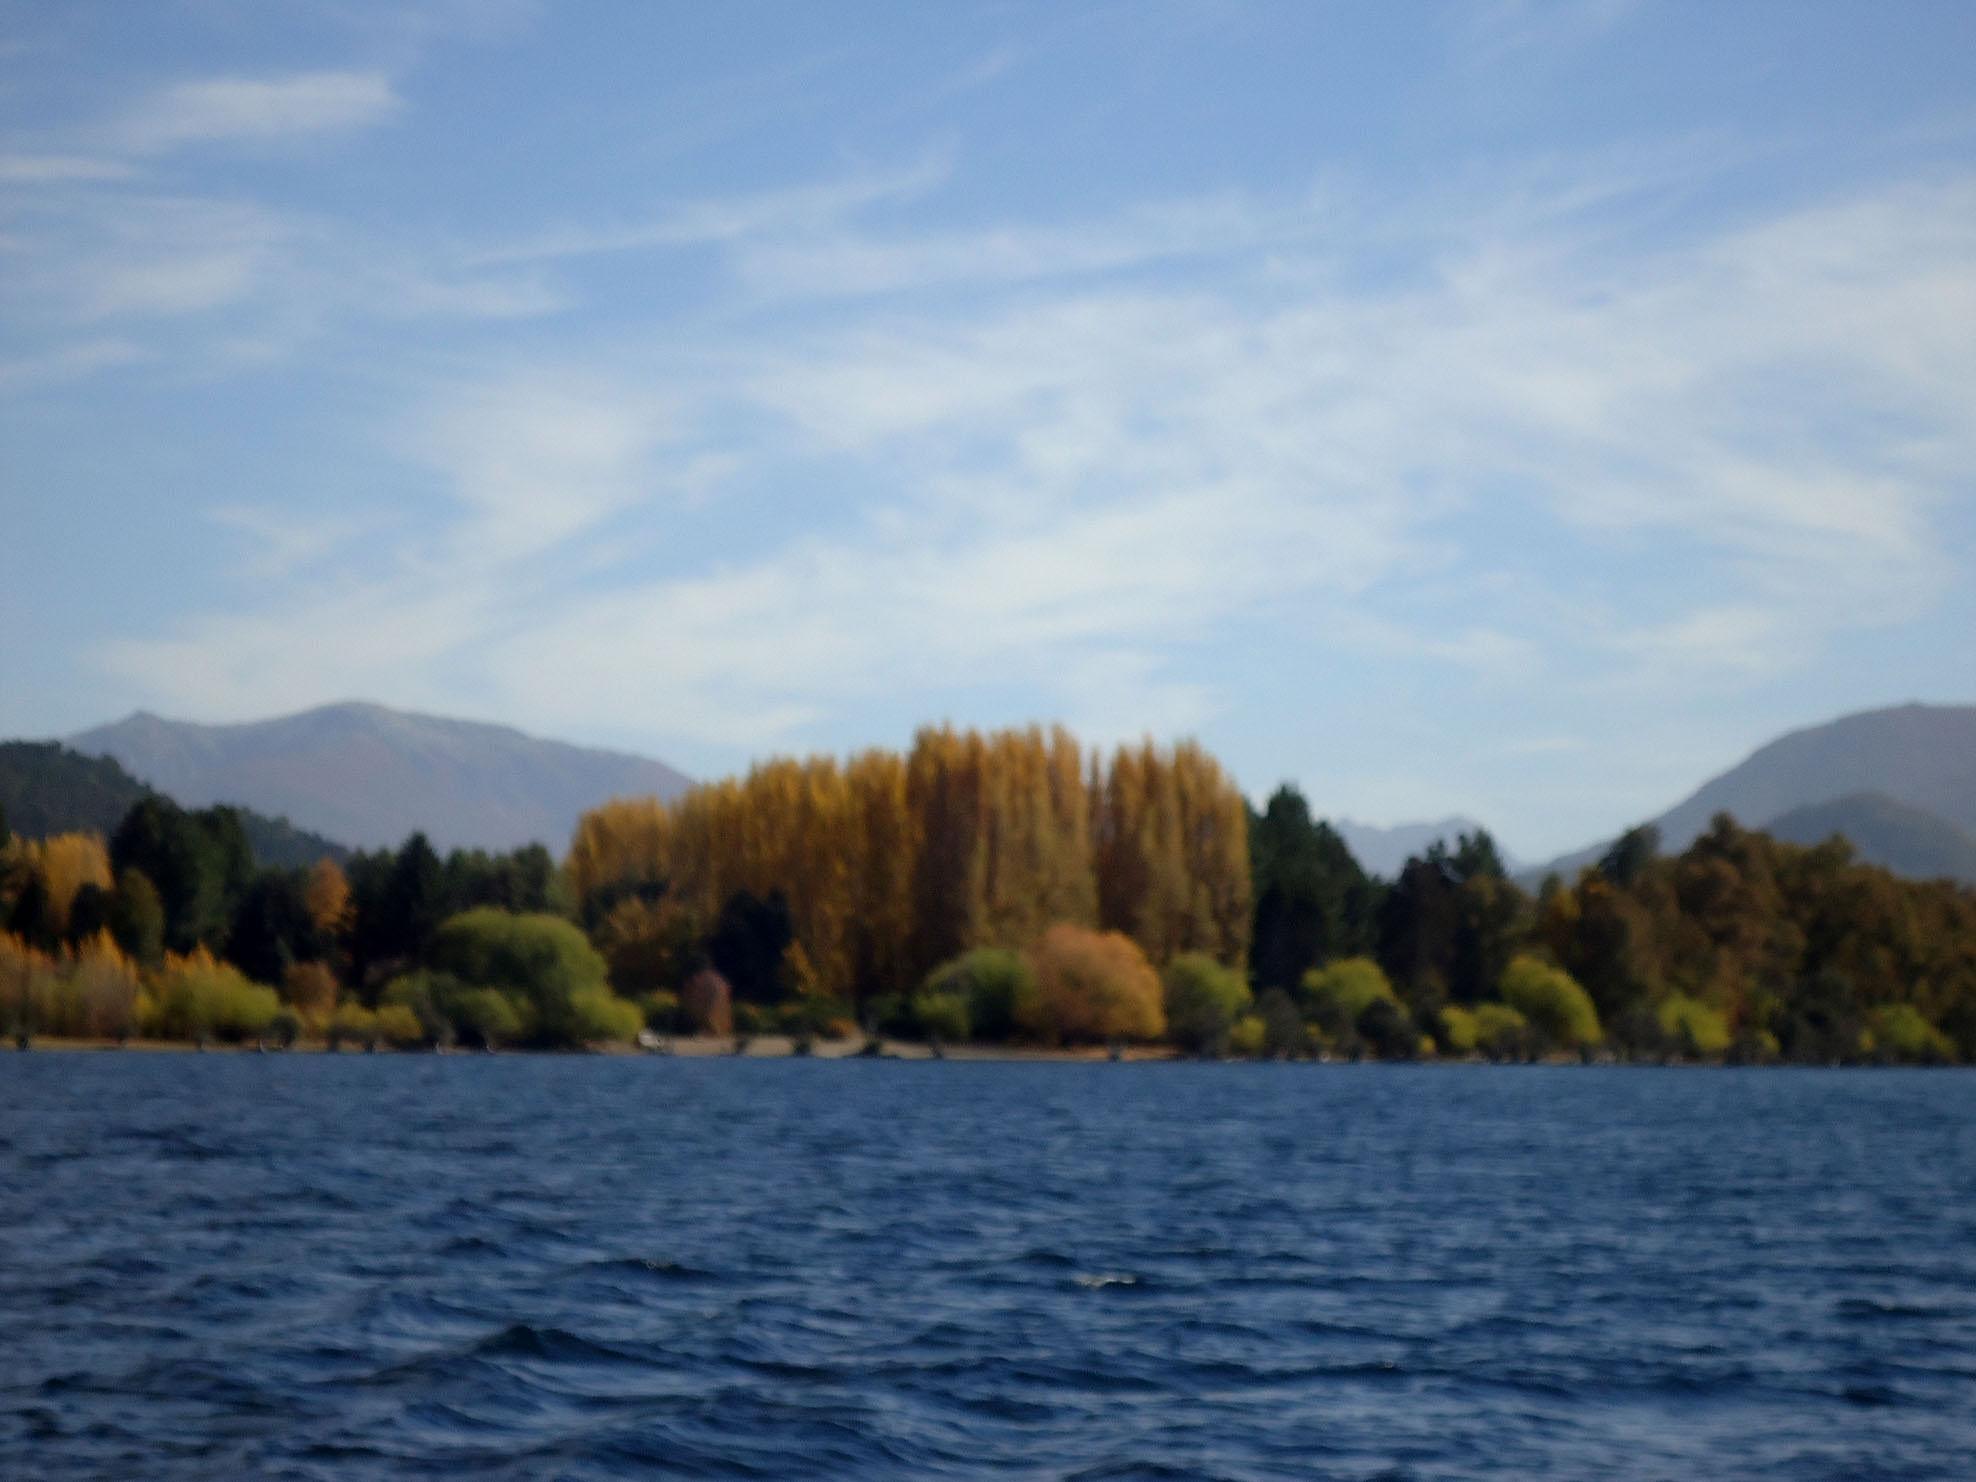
1003 886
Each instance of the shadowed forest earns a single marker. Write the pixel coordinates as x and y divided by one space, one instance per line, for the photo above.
1007 888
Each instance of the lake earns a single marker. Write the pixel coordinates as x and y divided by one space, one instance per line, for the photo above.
233 1266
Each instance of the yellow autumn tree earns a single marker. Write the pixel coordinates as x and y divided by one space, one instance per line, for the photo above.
892 865
66 863
326 894
99 996
1172 853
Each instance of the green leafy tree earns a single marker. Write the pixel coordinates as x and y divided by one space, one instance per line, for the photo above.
992 981
544 961
1501 1032
1694 1027
199 863
1282 1025
1203 1002
1337 994
137 917
1313 901
1557 1008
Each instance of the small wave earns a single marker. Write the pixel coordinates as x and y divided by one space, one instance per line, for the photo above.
549 1344
463 1246
1043 1256
655 1270
1865 1309
1098 1281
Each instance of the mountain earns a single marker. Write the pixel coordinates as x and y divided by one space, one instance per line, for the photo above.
1922 757
371 776
1385 851
47 789
1899 838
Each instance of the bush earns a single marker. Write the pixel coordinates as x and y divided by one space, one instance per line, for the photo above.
310 989
1558 1010
940 1016
1090 987
1501 1032
285 1028
706 1005
1203 1001
816 1015
430 996
1247 1036
990 982
354 1023
599 1016
1388 1029
891 1013
1695 1027
487 1017
1900 1033
1337 994
400 1026
1282 1025
543 960
28 986
1456 1030
97 997
661 1011
196 997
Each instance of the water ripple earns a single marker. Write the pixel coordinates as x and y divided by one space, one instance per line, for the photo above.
514 1267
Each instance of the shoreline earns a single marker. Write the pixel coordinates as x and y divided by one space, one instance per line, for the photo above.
782 1047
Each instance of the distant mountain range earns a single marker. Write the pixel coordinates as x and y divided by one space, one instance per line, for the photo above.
1883 832
370 776
1899 783
45 788
1385 851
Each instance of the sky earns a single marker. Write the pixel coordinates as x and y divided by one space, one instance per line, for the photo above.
1509 408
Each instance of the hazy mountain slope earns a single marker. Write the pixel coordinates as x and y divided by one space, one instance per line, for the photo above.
1920 756
1884 832
1385 851
371 776
47 789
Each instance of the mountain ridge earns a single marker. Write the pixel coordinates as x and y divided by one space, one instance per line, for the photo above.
1384 851
370 774
1917 756
1885 832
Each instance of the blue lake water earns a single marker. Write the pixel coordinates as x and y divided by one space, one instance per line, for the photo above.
303 1266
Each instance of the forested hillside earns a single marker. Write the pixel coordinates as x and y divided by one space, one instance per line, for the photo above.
1006 887
46 788
1905 840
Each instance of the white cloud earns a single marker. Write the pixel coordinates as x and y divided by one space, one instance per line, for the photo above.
537 459
1075 489
66 363
258 108
58 169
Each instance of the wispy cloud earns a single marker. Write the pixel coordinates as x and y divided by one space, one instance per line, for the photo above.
59 169
800 210
1068 483
257 108
66 363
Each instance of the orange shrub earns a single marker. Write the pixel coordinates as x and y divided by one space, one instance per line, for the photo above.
1091 986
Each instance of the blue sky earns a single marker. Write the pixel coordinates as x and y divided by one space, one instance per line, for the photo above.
1513 408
